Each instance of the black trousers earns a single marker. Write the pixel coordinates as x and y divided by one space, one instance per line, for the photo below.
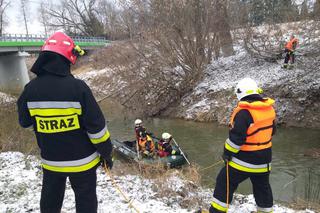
84 187
260 182
289 56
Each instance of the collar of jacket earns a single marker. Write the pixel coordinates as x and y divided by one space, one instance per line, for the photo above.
264 103
252 98
51 63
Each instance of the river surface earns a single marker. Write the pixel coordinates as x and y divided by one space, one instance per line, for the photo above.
295 174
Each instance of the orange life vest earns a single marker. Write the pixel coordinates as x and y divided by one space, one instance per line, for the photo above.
143 144
259 133
291 45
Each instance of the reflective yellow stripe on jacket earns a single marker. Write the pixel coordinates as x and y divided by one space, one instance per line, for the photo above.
55 116
54 108
232 147
100 136
72 166
248 167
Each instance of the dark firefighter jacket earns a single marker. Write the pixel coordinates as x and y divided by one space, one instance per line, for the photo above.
255 161
70 128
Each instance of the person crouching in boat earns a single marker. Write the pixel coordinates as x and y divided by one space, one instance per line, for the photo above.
146 145
164 146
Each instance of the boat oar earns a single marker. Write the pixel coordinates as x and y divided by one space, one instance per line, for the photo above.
137 147
181 151
138 154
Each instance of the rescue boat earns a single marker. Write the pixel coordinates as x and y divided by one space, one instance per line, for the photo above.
128 150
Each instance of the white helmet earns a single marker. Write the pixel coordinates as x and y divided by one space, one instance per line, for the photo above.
166 136
245 87
137 122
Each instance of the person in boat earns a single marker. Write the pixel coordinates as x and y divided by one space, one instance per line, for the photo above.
138 128
146 145
247 151
164 146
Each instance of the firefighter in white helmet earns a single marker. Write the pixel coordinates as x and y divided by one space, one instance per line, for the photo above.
138 128
247 150
164 146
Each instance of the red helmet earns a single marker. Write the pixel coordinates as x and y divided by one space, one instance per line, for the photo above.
62 44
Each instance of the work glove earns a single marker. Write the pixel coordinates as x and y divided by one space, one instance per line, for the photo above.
175 152
108 162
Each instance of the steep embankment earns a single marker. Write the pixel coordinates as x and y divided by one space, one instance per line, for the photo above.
296 91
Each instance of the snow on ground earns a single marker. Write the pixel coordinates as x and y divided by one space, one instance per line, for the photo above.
223 74
104 82
88 76
20 187
6 98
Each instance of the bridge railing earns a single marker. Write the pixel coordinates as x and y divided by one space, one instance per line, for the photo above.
39 38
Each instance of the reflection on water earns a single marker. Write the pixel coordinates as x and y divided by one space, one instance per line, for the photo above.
293 176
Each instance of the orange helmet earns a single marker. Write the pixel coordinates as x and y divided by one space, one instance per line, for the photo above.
62 44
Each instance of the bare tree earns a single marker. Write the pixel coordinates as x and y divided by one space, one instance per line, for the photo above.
76 17
316 10
222 27
111 17
3 7
44 17
24 6
237 13
174 41
304 14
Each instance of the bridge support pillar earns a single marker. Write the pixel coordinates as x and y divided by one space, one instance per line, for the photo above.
13 72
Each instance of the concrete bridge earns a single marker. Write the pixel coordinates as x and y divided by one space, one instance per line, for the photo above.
14 49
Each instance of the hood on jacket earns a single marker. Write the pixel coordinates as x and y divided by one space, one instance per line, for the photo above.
50 62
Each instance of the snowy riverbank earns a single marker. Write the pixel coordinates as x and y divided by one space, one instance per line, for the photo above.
6 99
296 91
20 187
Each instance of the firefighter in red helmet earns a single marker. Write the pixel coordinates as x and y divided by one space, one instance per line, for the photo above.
70 128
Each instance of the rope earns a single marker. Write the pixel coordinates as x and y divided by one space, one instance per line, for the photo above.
215 164
129 201
227 184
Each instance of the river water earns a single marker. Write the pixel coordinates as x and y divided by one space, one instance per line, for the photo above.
295 173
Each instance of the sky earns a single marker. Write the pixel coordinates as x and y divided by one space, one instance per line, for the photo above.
16 24
15 21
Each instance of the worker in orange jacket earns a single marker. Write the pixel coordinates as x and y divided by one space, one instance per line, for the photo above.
290 47
247 151
146 145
